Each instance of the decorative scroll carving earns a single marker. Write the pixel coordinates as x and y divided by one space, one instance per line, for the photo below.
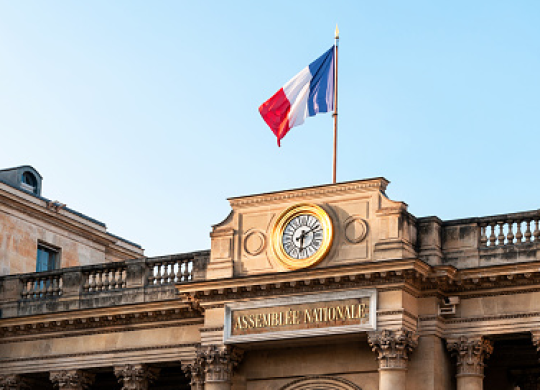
471 353
72 379
136 376
219 362
393 347
13 382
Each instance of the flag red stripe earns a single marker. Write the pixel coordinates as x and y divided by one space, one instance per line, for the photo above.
275 112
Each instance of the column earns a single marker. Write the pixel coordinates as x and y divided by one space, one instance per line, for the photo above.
72 379
219 362
13 382
393 348
470 353
195 371
136 376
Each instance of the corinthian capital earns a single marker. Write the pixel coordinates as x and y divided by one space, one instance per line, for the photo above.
393 347
13 382
136 376
195 372
219 362
470 353
72 379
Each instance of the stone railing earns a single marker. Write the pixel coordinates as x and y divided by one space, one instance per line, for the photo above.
100 285
510 229
483 241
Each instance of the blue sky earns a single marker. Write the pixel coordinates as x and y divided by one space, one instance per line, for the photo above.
143 114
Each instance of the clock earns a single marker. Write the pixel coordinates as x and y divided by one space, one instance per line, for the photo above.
302 236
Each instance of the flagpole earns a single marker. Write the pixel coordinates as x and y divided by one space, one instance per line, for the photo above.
335 103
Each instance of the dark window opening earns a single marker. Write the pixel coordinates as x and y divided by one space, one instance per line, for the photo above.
47 258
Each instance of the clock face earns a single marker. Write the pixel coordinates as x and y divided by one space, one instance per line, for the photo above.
303 236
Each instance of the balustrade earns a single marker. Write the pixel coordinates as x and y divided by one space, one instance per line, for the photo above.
105 279
512 229
170 270
42 286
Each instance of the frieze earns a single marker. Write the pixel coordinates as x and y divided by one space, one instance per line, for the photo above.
102 352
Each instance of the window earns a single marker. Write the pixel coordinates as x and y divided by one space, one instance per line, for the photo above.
47 258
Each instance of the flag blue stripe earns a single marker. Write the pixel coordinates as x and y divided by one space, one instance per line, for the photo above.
321 88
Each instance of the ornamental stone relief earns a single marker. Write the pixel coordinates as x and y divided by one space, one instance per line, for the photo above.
136 376
470 353
72 379
393 347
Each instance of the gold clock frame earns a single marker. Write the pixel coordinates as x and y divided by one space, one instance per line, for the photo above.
281 222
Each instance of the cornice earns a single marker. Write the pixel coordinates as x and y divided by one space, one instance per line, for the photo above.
384 275
378 184
62 219
96 319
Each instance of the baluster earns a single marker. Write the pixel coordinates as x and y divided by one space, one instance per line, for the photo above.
42 287
170 273
120 281
31 288
49 286
86 285
519 235
93 281
528 231
114 282
99 283
492 236
182 268
189 270
483 236
510 235
106 279
151 275
24 293
537 231
56 286
500 237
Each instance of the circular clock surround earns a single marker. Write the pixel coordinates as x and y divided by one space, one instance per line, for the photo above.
302 236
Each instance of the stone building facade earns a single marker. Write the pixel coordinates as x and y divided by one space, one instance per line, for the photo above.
329 287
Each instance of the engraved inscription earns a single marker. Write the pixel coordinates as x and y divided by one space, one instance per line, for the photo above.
353 311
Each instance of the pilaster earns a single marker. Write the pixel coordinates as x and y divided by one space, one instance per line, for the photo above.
72 379
136 376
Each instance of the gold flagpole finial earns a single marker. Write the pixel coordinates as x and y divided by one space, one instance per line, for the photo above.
337 32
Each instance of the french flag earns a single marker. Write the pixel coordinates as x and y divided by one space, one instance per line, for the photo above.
309 92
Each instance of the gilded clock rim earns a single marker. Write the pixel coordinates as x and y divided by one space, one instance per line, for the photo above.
281 222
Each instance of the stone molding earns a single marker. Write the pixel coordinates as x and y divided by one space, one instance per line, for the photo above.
13 382
393 347
379 184
471 352
219 361
136 376
72 379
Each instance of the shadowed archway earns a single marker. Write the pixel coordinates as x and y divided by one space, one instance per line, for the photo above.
321 383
